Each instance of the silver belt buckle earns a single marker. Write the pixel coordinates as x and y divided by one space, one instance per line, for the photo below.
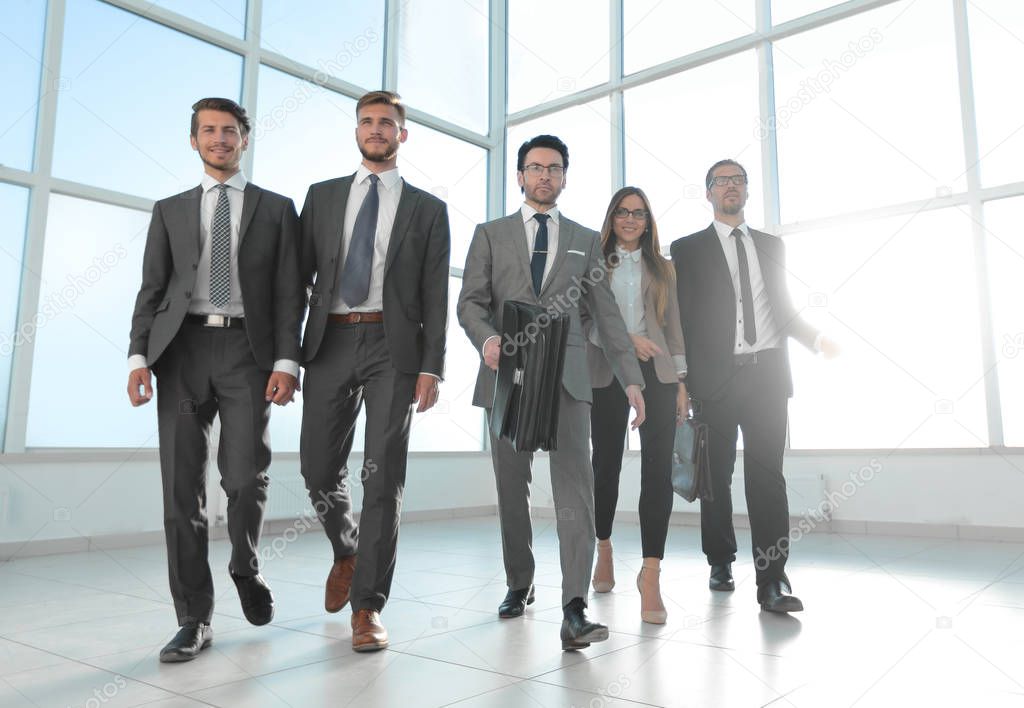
217 321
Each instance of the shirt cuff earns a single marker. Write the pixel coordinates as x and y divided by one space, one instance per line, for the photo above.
427 373
287 366
680 361
817 342
593 337
137 361
484 347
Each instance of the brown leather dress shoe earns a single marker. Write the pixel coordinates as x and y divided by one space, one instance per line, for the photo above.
339 583
368 634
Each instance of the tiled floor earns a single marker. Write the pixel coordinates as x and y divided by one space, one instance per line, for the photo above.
889 622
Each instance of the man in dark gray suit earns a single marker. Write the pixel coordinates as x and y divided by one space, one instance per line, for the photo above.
538 256
217 319
375 255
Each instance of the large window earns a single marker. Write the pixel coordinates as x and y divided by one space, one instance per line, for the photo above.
135 145
852 128
91 269
21 55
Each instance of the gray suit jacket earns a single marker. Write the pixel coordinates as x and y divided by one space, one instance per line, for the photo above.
667 337
498 269
267 270
415 297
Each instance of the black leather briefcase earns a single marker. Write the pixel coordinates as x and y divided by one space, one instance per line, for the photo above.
529 381
691 465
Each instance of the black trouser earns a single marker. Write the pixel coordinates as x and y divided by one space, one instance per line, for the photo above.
756 402
609 417
354 364
209 371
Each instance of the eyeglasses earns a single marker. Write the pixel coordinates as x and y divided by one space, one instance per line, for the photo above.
537 170
723 180
623 212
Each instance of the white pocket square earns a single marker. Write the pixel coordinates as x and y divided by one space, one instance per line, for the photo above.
578 253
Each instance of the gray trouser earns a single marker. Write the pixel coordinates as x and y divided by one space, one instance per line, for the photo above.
572 489
207 372
353 365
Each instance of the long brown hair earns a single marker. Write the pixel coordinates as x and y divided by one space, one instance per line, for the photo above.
658 266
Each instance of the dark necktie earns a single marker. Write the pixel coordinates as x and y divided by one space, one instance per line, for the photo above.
746 294
540 251
355 277
220 250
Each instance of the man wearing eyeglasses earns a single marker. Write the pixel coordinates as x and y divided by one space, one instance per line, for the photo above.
737 317
538 256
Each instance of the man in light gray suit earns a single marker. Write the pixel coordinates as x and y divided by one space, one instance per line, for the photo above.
217 320
537 256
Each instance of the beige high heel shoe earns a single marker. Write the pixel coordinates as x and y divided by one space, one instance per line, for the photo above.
604 571
652 609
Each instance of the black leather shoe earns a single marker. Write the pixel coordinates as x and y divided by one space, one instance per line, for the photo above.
776 597
577 631
515 602
254 594
721 578
187 643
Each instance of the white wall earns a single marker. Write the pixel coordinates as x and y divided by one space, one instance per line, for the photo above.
82 497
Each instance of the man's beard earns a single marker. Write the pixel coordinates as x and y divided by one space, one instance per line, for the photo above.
388 154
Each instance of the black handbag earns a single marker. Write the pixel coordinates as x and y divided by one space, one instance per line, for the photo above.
691 465
528 386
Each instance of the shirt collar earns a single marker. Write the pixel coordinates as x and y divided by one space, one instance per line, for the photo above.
388 179
725 231
528 211
634 256
237 181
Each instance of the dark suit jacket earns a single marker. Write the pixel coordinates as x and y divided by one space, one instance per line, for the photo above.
267 270
707 307
415 272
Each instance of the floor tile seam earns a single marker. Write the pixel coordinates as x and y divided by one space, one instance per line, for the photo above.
98 590
554 685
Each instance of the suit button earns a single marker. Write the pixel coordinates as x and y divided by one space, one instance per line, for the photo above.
195 266
188 293
332 260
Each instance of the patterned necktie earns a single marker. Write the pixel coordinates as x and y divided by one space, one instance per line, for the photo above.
540 251
220 251
355 277
746 294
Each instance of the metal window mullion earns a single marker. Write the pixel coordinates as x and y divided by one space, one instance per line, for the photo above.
35 231
498 108
392 33
766 116
250 73
617 39
972 157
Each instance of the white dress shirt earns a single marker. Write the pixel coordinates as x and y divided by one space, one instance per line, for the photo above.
767 332
200 303
389 190
627 286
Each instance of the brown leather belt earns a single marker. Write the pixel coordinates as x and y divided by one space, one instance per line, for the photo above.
356 317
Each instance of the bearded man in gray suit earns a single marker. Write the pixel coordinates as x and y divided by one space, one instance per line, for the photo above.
538 256
217 320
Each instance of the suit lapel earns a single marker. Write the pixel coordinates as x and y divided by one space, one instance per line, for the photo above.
403 217
716 258
334 232
566 233
519 245
250 199
191 202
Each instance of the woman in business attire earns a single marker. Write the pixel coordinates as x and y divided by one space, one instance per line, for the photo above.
643 282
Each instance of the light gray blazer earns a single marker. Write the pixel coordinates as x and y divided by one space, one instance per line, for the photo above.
498 269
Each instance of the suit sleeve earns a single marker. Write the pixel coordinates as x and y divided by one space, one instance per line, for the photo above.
156 274
289 300
684 287
673 327
306 243
604 312
790 322
475 299
434 293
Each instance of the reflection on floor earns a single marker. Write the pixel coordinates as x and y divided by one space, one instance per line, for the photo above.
889 621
